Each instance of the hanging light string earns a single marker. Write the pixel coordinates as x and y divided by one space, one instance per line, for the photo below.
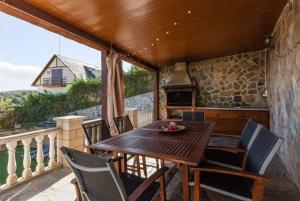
171 28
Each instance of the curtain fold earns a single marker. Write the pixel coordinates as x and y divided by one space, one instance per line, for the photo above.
115 89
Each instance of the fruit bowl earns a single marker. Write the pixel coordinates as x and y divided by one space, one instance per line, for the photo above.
171 128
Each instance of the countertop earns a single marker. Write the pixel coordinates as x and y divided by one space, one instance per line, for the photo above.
233 108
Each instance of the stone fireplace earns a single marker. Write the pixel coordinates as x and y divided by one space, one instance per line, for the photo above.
180 91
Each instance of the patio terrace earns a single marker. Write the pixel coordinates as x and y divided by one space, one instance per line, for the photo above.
56 185
229 60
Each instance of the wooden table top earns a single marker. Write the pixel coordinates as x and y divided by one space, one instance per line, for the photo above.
186 147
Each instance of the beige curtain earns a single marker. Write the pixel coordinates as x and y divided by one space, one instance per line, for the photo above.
115 89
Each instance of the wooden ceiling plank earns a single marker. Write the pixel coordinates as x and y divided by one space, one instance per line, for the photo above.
36 16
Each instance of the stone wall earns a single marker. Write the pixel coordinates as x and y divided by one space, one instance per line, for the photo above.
284 87
144 103
233 81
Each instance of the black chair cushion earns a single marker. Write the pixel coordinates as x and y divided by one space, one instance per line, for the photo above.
232 184
223 142
261 150
132 182
230 158
247 133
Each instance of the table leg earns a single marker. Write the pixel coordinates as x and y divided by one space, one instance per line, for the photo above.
124 163
185 182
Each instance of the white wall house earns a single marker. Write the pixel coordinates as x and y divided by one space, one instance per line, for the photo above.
61 71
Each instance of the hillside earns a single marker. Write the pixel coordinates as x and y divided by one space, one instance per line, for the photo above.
15 97
16 93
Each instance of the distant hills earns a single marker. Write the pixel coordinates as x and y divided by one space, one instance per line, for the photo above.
15 93
15 97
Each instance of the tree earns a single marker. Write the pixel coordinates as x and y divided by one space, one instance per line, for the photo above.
137 81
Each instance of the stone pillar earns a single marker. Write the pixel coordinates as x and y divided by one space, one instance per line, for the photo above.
72 133
133 115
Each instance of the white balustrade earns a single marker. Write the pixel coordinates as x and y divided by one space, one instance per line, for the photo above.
39 154
11 165
26 139
27 172
52 162
67 133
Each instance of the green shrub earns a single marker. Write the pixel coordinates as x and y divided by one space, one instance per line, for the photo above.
45 106
137 81
29 108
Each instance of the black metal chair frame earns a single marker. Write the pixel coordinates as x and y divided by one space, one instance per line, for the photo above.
107 169
264 147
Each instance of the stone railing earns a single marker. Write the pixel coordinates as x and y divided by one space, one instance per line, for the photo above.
26 140
68 133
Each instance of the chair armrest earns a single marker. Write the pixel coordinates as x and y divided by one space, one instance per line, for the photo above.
228 149
147 183
244 152
229 171
225 135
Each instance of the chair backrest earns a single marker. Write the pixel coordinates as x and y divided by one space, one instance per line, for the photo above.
123 124
262 151
249 133
97 178
95 131
193 116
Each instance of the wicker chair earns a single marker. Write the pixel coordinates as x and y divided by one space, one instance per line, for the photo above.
97 179
246 183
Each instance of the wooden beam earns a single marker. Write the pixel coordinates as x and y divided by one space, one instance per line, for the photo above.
104 84
155 89
36 16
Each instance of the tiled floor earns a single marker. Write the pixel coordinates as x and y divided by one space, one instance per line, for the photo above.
55 186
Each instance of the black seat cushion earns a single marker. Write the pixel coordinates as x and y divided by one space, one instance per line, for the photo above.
232 184
223 142
132 182
230 158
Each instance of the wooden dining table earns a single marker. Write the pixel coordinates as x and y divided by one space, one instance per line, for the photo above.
185 148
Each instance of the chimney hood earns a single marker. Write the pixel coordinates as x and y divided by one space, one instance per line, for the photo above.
179 77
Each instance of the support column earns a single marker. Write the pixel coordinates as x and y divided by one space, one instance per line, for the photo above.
104 71
155 88
72 133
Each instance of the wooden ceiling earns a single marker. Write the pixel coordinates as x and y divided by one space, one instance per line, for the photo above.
205 28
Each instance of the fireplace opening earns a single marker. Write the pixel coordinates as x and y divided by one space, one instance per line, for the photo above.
182 97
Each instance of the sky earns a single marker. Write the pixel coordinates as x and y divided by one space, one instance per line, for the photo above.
25 49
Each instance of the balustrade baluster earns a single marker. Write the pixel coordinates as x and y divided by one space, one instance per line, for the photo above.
27 172
52 162
11 166
59 158
40 155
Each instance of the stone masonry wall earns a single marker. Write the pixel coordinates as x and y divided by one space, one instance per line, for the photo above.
144 103
284 87
233 81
